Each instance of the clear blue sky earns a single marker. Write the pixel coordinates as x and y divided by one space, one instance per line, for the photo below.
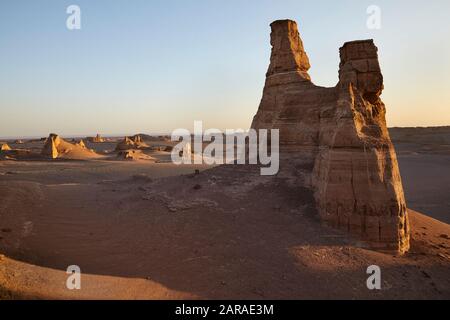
152 66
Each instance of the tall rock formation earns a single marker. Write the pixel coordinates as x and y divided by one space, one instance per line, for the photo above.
341 132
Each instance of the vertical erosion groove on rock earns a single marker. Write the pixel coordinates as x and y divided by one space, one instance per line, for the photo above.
342 133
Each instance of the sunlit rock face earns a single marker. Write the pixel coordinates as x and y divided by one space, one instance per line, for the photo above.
56 147
51 146
341 133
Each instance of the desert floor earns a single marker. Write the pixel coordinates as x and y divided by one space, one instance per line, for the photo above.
424 159
140 230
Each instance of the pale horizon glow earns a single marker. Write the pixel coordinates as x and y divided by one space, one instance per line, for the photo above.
154 66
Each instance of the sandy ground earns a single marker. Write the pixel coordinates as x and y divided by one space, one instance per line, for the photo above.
138 230
424 159
426 180
143 230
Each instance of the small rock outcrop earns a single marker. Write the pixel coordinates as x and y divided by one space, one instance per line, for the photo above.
50 148
96 139
339 133
128 143
56 147
81 144
5 147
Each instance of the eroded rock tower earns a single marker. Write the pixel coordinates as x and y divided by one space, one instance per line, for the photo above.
341 131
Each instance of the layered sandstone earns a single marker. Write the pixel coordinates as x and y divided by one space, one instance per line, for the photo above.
341 133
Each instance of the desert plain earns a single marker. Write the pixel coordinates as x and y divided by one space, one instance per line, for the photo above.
349 196
150 229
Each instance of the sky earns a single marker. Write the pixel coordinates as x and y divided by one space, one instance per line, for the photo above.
151 66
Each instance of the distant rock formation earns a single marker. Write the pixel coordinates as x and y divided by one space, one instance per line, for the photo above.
134 142
50 148
57 147
125 144
96 139
341 134
146 137
162 148
5 147
137 138
81 144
